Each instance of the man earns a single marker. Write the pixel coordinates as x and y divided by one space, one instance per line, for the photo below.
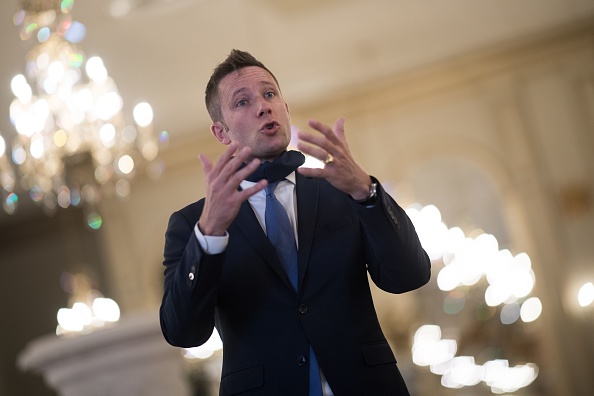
288 316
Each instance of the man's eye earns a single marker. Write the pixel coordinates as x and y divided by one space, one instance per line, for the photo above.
241 103
269 95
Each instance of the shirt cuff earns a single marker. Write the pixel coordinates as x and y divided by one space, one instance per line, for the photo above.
211 244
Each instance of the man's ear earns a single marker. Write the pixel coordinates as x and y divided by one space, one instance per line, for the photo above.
220 132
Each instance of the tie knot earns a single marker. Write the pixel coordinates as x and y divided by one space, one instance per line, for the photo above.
271 187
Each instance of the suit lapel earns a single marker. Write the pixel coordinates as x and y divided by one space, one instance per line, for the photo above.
307 207
248 225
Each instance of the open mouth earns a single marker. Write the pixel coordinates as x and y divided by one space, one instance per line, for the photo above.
270 126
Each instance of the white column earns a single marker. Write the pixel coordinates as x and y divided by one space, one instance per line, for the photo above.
129 358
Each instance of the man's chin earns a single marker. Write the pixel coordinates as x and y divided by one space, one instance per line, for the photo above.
270 152
270 155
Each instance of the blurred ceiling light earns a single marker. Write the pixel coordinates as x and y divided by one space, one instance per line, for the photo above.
84 318
467 260
429 349
73 144
89 310
510 280
586 294
461 371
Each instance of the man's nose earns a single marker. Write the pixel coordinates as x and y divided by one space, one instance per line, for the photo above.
263 108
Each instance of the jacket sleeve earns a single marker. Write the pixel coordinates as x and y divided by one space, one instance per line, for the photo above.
396 261
191 284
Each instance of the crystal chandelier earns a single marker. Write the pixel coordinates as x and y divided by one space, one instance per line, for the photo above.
73 145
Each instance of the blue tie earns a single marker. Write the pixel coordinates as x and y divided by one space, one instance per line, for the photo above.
280 233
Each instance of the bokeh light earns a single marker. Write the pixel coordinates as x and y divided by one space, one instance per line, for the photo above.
122 188
206 350
510 313
429 349
586 294
164 138
143 114
95 69
507 281
94 220
467 259
11 203
106 309
85 316
76 32
125 164
531 309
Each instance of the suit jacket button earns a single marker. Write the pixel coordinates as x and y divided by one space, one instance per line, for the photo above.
302 309
301 360
191 275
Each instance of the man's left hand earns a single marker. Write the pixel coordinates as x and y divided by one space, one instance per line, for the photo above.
330 146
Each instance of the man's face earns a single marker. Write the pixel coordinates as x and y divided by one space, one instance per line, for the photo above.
254 113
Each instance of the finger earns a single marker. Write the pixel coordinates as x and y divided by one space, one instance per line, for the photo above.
339 128
313 151
248 192
316 140
324 129
340 134
244 154
224 158
319 126
234 163
230 152
206 163
311 172
240 157
247 170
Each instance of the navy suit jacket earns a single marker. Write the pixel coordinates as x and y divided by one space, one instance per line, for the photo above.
267 327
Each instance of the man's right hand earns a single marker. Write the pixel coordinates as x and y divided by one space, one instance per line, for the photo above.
223 198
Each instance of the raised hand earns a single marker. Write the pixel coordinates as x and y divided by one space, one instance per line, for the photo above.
223 197
341 170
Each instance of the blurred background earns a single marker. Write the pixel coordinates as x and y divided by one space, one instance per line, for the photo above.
477 115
